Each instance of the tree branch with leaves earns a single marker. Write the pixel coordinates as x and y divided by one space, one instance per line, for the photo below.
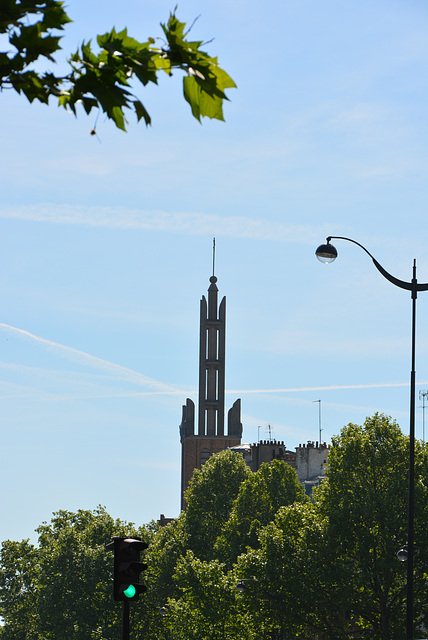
103 79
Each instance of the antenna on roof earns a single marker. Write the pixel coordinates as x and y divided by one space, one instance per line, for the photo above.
319 418
213 256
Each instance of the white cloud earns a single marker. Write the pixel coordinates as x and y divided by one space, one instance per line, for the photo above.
192 223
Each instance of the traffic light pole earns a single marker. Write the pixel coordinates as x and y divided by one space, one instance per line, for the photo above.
125 620
126 569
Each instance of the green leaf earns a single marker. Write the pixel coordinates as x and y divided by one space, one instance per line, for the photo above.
89 104
55 17
116 114
32 86
202 103
141 112
192 94
161 61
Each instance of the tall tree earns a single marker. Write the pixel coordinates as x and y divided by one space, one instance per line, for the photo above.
332 564
18 591
209 497
61 589
283 576
260 496
168 547
182 557
103 80
365 500
204 606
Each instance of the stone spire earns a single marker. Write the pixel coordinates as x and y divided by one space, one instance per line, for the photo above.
211 437
212 353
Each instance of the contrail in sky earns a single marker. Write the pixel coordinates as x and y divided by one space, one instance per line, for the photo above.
329 388
160 388
93 361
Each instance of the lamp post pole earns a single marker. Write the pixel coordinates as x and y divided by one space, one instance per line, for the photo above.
327 253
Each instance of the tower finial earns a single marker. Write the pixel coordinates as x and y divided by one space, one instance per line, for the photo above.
213 256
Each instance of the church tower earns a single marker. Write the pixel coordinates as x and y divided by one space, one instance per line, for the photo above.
211 436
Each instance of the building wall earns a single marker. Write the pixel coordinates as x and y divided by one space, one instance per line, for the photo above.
195 451
268 450
311 461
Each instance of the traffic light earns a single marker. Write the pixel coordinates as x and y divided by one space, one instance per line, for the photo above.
127 568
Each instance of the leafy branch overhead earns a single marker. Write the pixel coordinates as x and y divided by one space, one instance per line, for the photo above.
104 79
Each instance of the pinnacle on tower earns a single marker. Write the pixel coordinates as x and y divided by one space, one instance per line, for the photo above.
211 437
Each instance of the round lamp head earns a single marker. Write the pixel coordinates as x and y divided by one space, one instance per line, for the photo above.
402 555
241 586
326 253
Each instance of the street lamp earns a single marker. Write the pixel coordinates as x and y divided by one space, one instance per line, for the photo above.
402 554
241 586
327 253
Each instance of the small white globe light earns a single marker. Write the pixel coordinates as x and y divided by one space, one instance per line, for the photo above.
326 253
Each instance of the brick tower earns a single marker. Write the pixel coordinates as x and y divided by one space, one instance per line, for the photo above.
211 437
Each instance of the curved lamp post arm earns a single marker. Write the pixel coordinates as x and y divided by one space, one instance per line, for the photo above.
413 286
403 553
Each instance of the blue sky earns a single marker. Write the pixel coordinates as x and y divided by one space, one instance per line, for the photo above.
106 250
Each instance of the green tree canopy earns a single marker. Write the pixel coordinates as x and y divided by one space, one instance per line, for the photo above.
365 500
104 79
284 574
204 605
334 561
18 591
260 496
62 588
325 567
209 497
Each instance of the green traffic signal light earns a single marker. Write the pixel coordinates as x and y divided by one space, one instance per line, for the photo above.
127 567
130 591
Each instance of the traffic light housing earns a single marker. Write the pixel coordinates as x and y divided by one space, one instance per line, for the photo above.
127 568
